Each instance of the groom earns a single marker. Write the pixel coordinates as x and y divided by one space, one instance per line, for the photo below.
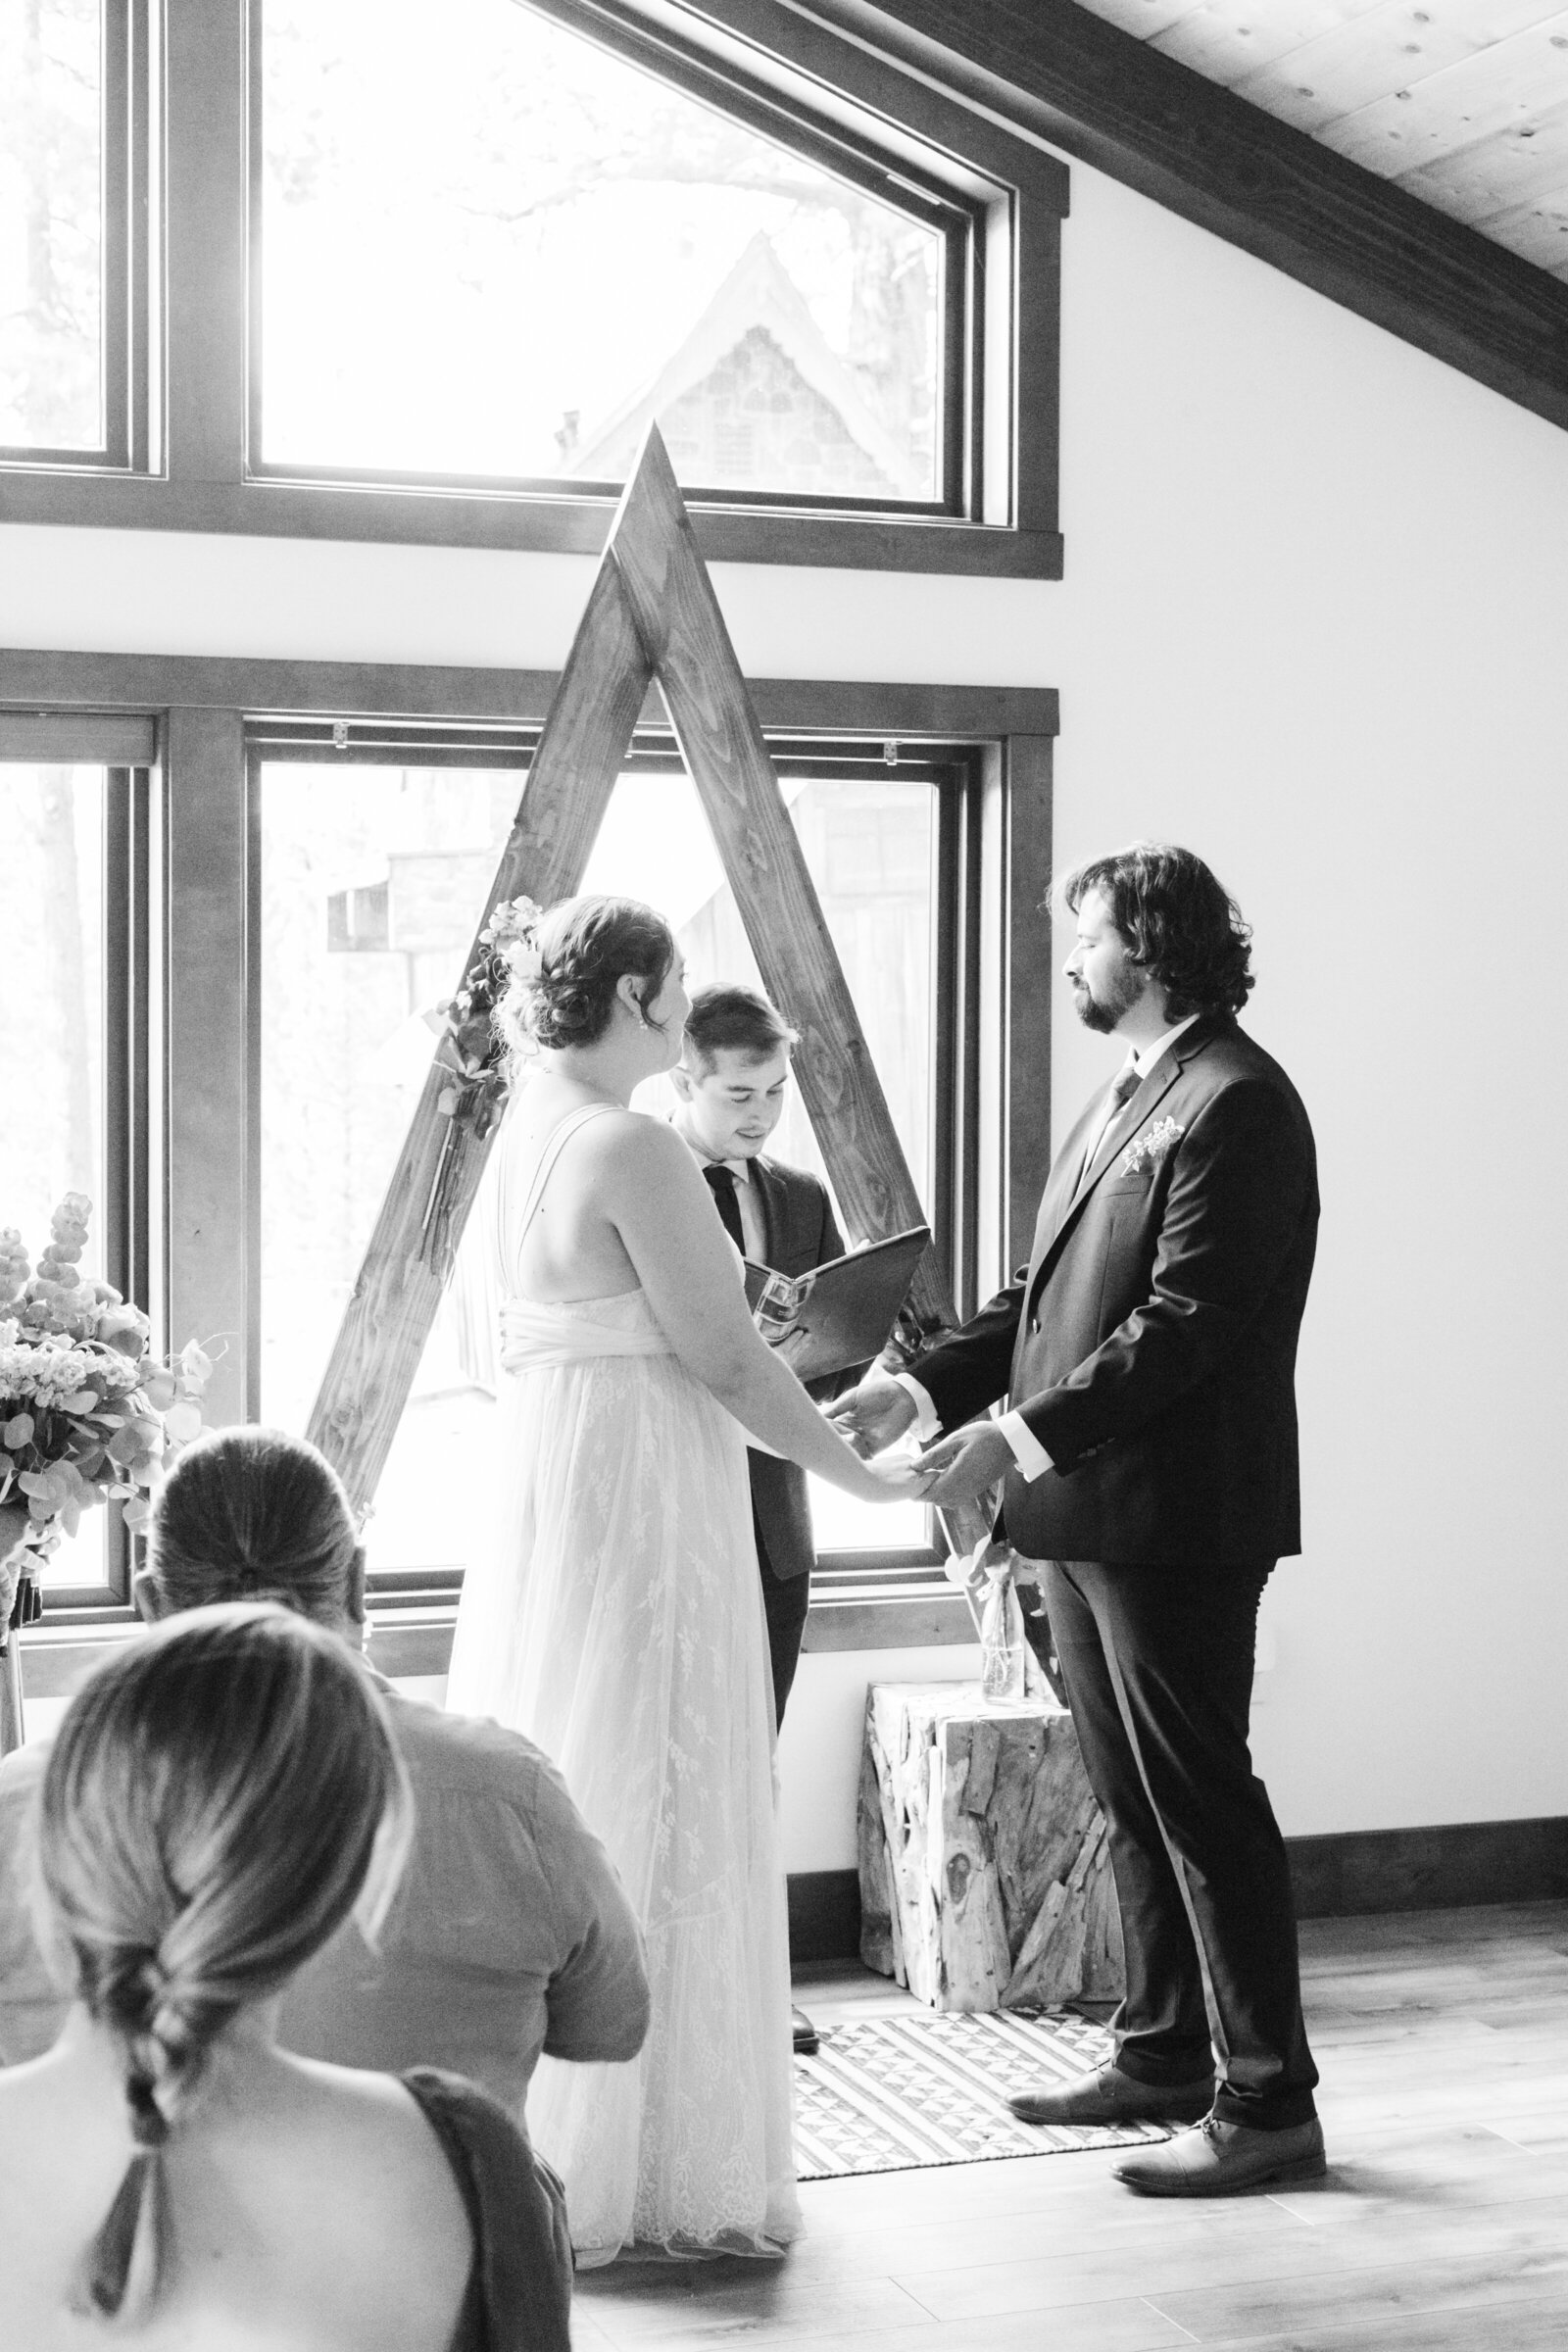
1149 1460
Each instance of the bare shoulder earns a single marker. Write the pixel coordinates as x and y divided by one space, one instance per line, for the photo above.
378 2161
632 1145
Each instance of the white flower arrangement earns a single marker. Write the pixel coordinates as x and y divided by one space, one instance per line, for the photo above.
1152 1148
86 1409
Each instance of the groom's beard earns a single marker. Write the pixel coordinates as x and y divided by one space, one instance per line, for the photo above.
1103 1012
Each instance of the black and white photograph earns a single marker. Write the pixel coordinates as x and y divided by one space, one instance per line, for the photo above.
783 849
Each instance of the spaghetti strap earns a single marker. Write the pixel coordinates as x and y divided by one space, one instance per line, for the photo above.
550 1151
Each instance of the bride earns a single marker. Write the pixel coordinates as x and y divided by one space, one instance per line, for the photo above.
616 1616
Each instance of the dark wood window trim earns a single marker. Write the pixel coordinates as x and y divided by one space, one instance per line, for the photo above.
127 318
786 64
129 1228
996 960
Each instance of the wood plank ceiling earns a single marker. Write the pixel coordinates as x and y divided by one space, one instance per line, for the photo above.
1462 102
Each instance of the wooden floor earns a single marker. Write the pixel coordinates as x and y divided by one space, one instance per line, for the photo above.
1442 2225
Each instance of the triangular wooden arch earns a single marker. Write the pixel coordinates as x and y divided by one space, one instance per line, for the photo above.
652 614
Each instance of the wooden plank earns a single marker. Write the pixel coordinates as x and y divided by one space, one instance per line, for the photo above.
902 710
1094 91
1392 47
208 1047
1460 107
395 1296
1225 42
205 138
1536 231
686 642
1520 166
574 526
119 740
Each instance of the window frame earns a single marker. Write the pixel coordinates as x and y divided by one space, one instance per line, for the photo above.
959 216
955 773
189 456
129 1249
126 29
202 905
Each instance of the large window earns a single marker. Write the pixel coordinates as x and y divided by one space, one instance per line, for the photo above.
425 271
371 876
76 1052
503 250
69 160
222 933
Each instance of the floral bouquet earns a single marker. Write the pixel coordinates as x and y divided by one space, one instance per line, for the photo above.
469 1048
87 1410
471 1052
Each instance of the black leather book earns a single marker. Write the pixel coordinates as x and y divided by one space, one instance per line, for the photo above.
840 1314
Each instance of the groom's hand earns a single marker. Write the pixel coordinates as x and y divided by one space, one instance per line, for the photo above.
874 1414
966 1463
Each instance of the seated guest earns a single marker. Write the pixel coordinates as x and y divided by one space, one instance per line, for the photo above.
222 1795
510 1933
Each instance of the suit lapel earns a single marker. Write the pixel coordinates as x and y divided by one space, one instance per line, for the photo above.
1139 1106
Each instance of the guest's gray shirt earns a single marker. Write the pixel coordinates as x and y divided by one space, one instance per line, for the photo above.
509 1936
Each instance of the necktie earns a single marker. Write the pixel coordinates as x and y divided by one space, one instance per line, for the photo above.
1123 1086
721 1184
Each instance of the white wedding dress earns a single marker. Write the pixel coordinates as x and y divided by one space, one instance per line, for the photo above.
615 1618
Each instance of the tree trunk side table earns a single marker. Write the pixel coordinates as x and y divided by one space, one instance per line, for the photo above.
985 1881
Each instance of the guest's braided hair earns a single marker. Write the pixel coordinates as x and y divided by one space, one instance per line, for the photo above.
206 1821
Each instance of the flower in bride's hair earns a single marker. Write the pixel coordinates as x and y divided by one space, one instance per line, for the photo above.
522 959
513 919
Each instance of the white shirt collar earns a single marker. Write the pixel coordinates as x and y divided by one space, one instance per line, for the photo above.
1145 1056
740 1169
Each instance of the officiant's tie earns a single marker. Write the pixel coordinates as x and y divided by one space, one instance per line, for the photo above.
1123 1086
721 1184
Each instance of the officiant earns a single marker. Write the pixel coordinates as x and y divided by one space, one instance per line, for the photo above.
731 1081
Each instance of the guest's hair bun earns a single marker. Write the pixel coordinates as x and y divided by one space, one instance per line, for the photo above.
585 948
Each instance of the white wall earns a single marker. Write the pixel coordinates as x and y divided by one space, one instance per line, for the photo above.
1314 622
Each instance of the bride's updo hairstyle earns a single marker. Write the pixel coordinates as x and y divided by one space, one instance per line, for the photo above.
206 1821
253 1514
584 947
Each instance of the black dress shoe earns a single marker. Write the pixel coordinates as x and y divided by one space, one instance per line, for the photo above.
1108 2096
808 2042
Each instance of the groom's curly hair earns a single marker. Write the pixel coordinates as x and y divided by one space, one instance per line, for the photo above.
586 947
1183 926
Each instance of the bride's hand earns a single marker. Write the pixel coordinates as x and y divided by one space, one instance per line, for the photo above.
896 1478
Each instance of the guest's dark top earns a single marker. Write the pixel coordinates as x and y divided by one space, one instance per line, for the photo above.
519 2289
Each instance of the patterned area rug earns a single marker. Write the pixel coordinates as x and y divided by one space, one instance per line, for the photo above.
888 2095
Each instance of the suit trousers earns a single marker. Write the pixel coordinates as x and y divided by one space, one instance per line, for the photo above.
786 1599
1158 1664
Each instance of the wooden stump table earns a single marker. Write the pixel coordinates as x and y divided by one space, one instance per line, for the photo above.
985 1883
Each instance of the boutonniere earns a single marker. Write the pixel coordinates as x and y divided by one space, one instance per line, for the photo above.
1151 1148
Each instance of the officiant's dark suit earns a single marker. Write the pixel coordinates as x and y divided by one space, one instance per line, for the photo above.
1148 1347
731 1083
802 1234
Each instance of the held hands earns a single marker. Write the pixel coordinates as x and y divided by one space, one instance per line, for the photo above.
874 1414
964 1464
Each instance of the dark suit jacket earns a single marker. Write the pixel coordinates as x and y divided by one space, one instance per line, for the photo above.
1150 1342
801 1233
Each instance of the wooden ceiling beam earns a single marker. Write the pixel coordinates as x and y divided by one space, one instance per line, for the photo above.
1049 68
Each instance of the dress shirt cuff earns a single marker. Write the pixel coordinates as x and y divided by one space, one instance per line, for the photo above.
928 1422
1027 1450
